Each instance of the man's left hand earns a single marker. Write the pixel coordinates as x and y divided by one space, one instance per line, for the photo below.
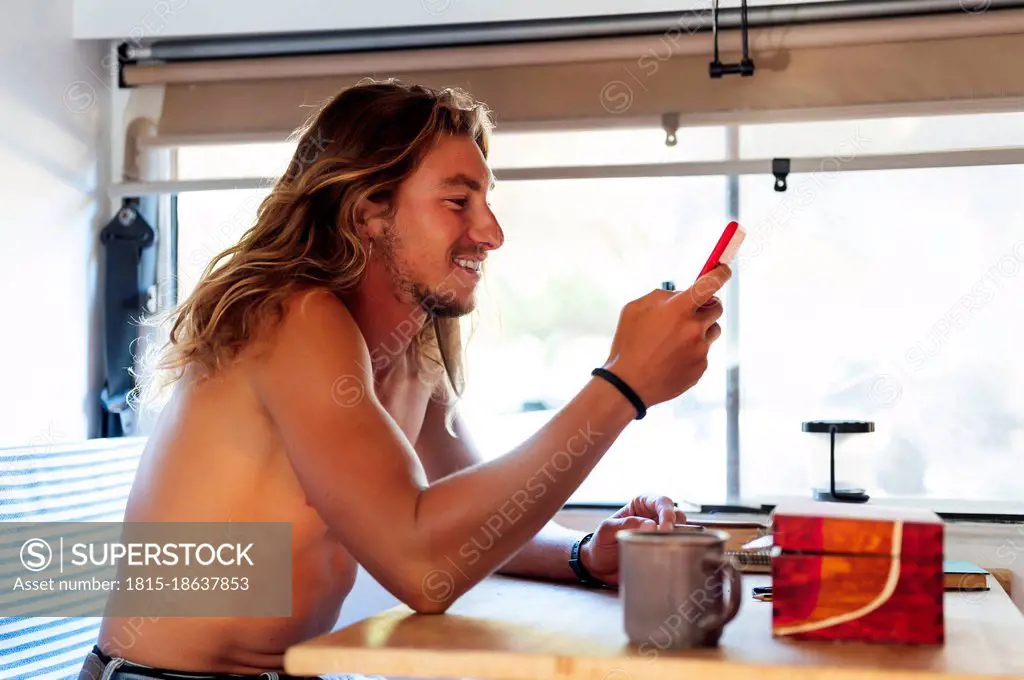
600 555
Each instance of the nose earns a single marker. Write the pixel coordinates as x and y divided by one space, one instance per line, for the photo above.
486 232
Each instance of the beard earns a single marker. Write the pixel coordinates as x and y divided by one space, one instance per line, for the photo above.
441 302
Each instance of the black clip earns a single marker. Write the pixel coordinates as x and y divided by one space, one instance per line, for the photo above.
716 69
122 61
780 168
128 225
670 121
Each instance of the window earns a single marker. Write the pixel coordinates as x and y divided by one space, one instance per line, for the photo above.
890 295
847 138
210 221
575 252
605 147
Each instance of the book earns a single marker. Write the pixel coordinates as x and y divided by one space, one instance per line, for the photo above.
962 575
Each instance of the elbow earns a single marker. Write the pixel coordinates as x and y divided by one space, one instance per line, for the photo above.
425 580
424 605
432 591
427 589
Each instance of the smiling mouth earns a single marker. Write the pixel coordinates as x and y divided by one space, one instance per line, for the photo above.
473 266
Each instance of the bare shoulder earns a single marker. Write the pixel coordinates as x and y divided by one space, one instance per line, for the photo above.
315 337
316 320
319 310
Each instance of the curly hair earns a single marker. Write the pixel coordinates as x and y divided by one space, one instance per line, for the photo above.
361 144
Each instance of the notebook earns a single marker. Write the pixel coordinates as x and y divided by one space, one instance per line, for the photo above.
962 575
749 560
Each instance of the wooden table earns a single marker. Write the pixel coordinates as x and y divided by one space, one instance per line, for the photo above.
512 629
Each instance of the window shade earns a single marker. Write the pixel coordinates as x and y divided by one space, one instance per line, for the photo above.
894 63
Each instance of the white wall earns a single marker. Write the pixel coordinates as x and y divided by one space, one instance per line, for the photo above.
132 19
52 103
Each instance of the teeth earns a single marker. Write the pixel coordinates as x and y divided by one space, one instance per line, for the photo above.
468 264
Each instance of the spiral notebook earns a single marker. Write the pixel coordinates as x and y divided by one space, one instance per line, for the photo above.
749 544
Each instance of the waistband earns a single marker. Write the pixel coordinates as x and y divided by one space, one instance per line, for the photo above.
125 667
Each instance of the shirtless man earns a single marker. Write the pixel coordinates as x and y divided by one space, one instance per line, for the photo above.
314 368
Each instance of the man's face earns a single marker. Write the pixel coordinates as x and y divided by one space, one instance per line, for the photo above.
442 229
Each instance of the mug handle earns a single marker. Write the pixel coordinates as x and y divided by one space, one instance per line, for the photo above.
732 607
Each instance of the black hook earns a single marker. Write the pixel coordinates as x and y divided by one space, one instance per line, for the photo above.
780 168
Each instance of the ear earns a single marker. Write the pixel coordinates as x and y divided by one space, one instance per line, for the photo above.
369 218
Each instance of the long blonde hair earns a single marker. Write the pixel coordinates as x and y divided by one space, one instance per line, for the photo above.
361 144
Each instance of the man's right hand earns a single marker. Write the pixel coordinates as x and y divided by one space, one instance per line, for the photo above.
661 344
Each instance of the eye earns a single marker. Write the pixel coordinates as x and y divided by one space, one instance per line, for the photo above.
460 202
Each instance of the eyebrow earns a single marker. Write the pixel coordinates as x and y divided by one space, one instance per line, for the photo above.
462 179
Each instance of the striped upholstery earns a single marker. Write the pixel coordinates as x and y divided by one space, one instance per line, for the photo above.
87 481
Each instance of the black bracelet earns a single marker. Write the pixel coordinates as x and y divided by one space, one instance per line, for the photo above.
626 390
576 564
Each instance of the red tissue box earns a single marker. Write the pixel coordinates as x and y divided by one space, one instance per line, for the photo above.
857 572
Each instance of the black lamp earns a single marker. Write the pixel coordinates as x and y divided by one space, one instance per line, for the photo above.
832 428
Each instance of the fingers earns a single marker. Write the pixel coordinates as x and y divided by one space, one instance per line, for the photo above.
624 511
706 286
641 506
713 333
607 535
715 301
666 514
660 509
640 523
648 513
710 312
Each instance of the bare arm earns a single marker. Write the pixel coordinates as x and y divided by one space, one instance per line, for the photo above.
546 555
363 476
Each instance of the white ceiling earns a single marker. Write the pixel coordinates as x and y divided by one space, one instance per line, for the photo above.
137 20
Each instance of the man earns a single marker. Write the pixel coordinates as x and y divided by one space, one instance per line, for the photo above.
317 364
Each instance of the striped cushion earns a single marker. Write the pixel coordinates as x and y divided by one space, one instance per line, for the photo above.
84 482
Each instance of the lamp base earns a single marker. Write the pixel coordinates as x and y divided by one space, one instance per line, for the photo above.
841 495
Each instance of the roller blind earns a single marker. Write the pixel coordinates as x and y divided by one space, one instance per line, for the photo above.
936 60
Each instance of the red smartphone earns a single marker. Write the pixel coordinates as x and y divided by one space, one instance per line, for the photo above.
728 243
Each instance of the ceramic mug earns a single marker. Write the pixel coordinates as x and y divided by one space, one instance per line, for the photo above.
672 585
